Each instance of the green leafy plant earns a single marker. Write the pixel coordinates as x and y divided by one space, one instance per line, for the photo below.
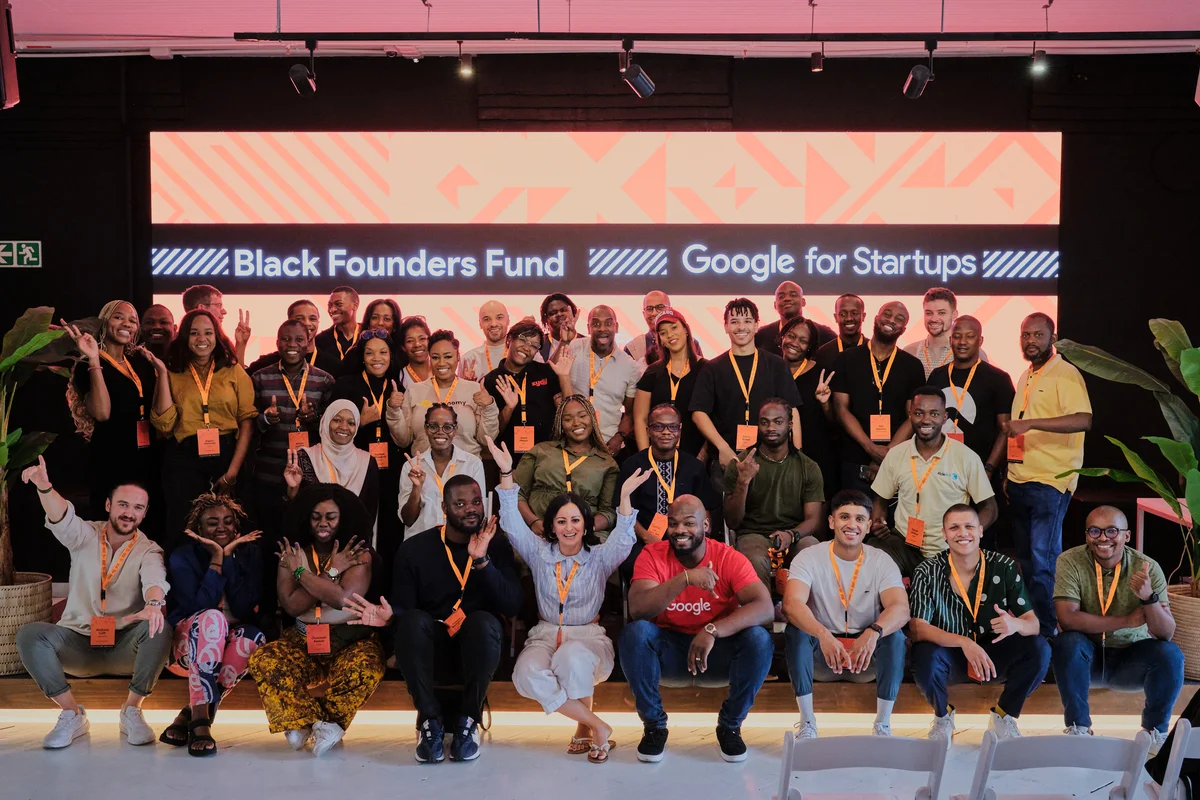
1183 360
30 346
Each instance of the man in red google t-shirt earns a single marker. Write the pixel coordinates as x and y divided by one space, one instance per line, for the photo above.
699 609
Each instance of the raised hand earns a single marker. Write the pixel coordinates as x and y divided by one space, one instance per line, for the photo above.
245 538
369 413
305 412
482 398
503 458
154 360
396 398
1004 624
272 411
369 614
562 362
467 373
216 552
241 334
478 546
1139 582
631 484
354 553
823 392
415 473
292 474
37 475
84 341
747 467
508 391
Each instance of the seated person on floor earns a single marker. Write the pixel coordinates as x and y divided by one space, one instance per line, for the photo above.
845 605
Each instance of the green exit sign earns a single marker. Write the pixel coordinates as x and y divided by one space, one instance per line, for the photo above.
21 254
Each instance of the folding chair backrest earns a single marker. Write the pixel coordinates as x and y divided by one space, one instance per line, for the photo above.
1042 752
1185 745
859 752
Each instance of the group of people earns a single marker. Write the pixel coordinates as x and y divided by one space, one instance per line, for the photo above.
332 501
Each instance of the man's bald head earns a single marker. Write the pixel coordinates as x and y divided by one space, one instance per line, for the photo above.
687 526
687 504
789 300
1107 517
493 321
967 322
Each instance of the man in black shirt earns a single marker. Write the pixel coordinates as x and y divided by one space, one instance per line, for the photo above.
726 399
158 329
559 314
306 313
339 338
524 390
871 389
849 311
789 303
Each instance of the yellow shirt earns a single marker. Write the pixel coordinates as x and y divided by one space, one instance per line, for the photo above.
230 400
1059 391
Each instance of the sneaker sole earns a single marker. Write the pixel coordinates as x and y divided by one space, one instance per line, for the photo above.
428 760
649 758
733 759
81 732
468 758
125 733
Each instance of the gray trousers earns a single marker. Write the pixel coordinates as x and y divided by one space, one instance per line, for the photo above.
49 652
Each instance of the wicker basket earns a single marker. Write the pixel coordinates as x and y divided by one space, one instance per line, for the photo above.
1186 610
27 600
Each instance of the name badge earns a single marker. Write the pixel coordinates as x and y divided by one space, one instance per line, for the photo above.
747 435
454 622
317 637
958 437
658 526
1016 449
104 631
522 438
881 427
847 641
297 439
143 433
208 442
379 451
973 674
916 531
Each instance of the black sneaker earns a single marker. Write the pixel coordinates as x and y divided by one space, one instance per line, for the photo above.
653 745
430 747
465 745
732 746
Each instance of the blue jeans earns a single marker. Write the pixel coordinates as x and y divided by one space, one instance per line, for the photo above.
886 667
652 656
1021 662
1151 665
1037 513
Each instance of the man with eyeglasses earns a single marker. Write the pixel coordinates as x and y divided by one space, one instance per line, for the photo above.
493 323
676 473
1116 625
644 349
524 389
789 304
1051 412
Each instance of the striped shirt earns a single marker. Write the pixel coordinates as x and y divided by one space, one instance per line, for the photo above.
934 597
595 564
272 444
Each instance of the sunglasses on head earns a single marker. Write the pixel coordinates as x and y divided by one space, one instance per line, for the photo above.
377 333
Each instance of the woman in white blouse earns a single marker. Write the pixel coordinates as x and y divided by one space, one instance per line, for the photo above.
422 477
567 652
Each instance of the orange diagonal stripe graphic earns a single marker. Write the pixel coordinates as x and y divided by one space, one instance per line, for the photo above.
884 177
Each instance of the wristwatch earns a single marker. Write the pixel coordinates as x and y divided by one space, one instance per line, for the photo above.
480 563
1151 600
711 630
333 573
157 603
874 626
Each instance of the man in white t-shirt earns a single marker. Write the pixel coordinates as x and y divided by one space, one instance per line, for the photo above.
607 375
845 604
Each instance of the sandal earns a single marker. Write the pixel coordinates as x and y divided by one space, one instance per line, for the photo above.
176 734
201 739
598 753
579 745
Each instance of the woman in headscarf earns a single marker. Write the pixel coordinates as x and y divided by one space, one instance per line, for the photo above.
335 459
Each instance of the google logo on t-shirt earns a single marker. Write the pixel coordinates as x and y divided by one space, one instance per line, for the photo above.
697 608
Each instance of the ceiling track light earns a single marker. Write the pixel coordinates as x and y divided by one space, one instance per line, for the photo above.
304 79
633 74
920 76
817 60
466 63
1040 64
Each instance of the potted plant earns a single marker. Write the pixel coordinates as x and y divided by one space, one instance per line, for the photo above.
24 596
1183 360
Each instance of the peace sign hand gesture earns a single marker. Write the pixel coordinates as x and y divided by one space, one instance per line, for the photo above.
468 371
823 392
241 334
84 341
415 473
292 474
747 468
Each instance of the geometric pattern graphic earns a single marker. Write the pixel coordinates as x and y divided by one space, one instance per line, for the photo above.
1020 264
627 261
198 261
712 178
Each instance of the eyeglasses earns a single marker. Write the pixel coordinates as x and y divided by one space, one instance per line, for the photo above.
535 344
659 427
658 309
433 427
1111 533
376 333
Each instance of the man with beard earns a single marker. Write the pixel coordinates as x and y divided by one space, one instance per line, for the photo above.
871 389
789 304
609 374
558 313
451 586
845 605
524 389
940 308
774 494
848 311
1105 588
342 335
158 329
493 322
113 621
644 349
700 611
1051 412
305 312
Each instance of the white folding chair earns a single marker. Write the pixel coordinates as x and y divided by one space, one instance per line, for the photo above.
857 753
1047 752
1184 745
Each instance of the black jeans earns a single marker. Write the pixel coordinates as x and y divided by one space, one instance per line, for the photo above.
186 476
424 649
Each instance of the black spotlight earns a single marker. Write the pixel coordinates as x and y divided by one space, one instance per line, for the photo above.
304 79
633 74
920 75
817 62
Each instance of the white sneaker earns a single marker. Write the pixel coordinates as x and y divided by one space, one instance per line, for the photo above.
806 729
70 726
1078 730
134 727
1004 727
325 736
881 729
1157 740
298 738
942 728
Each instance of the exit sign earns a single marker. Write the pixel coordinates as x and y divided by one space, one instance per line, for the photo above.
21 254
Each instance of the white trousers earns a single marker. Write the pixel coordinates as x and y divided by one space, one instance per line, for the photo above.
553 674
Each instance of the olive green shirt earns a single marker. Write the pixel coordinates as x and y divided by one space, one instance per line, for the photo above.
541 478
776 496
1075 579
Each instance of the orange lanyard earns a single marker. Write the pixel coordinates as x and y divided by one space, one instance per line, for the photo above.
800 369
843 595
437 478
839 341
1031 382
920 482
312 358
563 588
741 381
675 381
338 342
319 571
296 396
332 472
593 375
376 401
126 369
569 467
925 357
449 394
212 368
958 398
463 577
670 490
879 383
962 590
106 579
412 374
1112 592
487 353
520 390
